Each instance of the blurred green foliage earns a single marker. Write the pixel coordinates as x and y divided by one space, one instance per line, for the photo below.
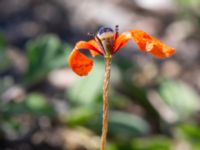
44 54
88 90
189 132
127 126
4 60
38 105
187 3
34 105
153 143
180 97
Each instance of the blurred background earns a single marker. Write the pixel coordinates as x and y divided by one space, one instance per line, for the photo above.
154 103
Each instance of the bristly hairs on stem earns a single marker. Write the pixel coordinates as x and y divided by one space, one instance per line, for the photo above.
105 102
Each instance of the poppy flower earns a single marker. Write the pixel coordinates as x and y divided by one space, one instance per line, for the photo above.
107 42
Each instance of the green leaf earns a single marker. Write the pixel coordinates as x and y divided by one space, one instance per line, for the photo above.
152 143
37 105
187 3
12 109
181 98
124 125
189 132
3 42
112 146
81 115
5 62
44 54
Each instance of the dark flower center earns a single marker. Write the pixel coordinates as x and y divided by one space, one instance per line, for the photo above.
104 30
105 37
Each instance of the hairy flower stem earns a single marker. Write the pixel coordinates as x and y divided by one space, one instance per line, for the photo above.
105 102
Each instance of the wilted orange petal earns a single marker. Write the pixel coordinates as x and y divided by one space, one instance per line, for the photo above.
145 42
94 44
90 45
79 63
159 49
151 44
121 41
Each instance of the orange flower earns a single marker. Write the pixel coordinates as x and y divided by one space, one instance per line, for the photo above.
107 42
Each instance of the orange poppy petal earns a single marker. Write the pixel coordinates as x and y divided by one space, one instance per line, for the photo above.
121 41
80 63
145 42
94 44
90 45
